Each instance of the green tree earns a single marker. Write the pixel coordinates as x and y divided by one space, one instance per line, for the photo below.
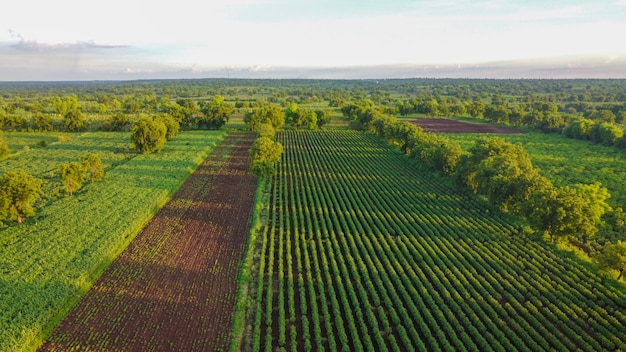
173 127
266 130
609 133
18 192
148 136
264 113
216 113
567 211
62 106
74 120
323 117
264 154
497 113
476 108
93 165
43 122
4 150
189 109
579 128
500 170
119 122
72 176
613 257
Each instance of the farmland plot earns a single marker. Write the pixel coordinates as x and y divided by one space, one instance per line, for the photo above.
362 252
174 287
52 258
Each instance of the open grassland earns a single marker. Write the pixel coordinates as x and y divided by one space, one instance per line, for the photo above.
362 252
174 287
53 257
567 161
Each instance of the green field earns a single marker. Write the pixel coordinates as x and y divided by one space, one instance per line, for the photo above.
363 252
53 257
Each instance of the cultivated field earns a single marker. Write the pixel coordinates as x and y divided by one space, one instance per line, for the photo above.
51 258
174 287
361 252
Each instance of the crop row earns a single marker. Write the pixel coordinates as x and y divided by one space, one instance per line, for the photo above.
382 257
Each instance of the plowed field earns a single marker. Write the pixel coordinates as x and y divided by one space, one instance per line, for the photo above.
174 287
454 126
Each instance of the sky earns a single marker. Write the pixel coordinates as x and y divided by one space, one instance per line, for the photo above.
44 40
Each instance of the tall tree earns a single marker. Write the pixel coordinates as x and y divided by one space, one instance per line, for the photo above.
72 176
264 113
567 211
148 136
613 257
18 192
74 120
93 166
217 112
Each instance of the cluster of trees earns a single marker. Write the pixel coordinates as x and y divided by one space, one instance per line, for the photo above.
19 191
605 133
503 173
73 174
66 113
434 151
265 152
300 117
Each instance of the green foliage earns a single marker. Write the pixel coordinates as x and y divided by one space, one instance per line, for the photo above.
613 257
189 109
93 166
118 122
436 152
72 176
216 113
567 211
173 127
266 130
579 128
363 111
264 154
609 133
323 117
62 106
74 120
4 150
264 113
148 136
43 122
18 192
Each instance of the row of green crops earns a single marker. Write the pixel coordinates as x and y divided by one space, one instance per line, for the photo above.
362 252
565 161
53 256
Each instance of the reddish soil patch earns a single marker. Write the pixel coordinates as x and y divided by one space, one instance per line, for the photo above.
174 287
454 126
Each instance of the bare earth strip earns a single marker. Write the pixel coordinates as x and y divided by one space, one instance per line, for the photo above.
174 287
455 126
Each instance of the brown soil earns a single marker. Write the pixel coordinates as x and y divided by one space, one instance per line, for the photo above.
455 126
174 287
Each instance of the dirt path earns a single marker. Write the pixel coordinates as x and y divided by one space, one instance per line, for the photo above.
174 287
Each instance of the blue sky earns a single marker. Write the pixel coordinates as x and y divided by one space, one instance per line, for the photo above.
127 39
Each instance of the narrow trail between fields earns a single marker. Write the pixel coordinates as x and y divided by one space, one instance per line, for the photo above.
174 287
